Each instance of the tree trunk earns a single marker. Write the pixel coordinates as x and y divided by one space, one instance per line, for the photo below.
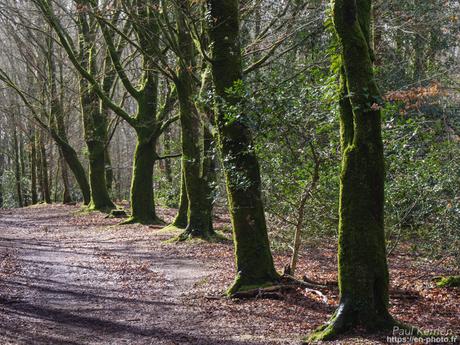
17 168
208 122
45 185
75 166
22 159
363 271
66 196
94 121
181 218
254 260
95 134
33 168
191 135
108 170
142 197
2 167
167 148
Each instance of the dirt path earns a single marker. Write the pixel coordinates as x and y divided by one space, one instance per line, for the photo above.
72 280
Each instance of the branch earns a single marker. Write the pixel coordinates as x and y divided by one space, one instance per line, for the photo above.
168 122
67 44
115 57
173 155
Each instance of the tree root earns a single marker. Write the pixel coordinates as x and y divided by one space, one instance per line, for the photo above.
117 213
283 284
270 292
303 283
346 319
134 220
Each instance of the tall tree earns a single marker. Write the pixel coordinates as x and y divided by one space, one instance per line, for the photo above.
199 221
254 262
94 120
363 271
149 121
17 168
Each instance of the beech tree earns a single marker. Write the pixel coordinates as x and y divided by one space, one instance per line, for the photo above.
195 186
363 270
94 119
49 119
150 120
254 262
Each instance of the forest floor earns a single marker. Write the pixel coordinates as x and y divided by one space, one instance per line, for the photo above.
72 278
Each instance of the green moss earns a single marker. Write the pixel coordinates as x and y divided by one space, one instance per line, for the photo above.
453 281
142 196
215 237
254 262
95 131
241 284
134 220
323 333
172 230
180 221
199 222
363 272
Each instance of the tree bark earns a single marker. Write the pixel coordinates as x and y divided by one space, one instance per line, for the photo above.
44 182
142 196
17 168
66 196
363 271
94 121
254 260
180 221
198 216
33 168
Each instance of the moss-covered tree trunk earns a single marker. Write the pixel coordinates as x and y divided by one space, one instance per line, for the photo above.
198 213
17 168
142 196
209 173
204 107
146 122
22 159
94 124
167 163
77 169
363 271
94 120
254 262
44 180
180 221
108 170
33 168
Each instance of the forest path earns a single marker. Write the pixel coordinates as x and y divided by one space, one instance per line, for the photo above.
67 279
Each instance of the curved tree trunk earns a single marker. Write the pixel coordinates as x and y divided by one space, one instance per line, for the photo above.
71 158
254 260
363 271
